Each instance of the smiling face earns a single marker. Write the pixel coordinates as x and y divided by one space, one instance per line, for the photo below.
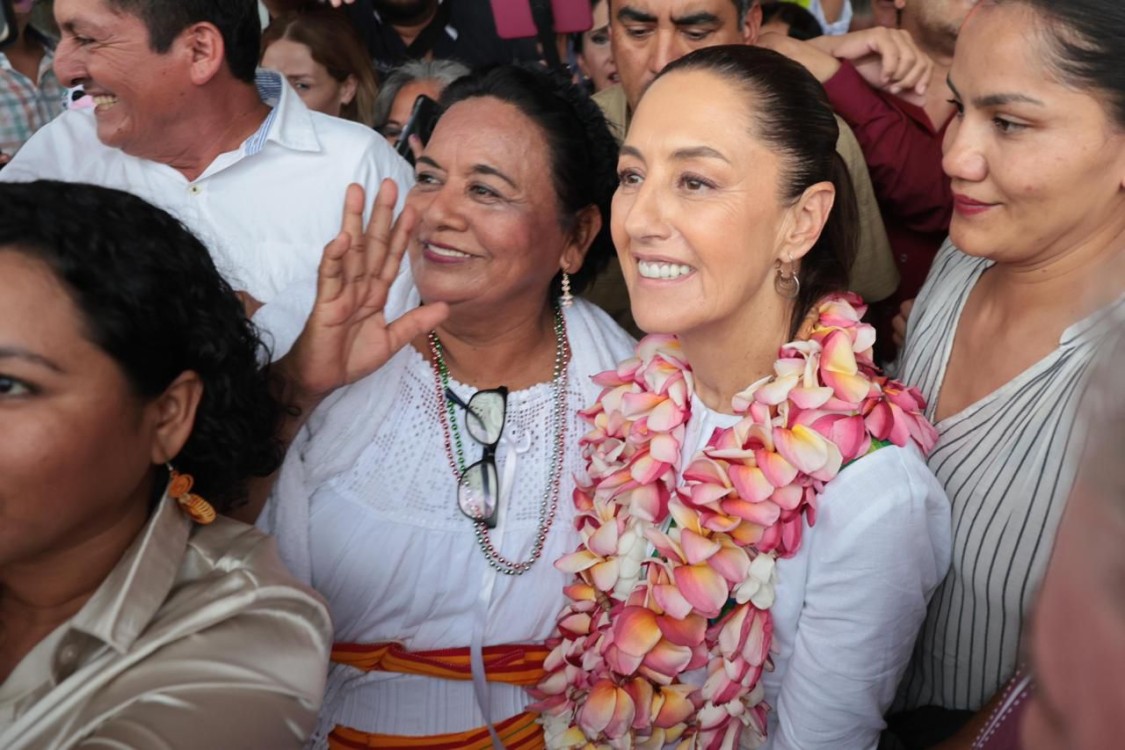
312 81
596 59
76 454
139 93
698 217
1037 166
489 232
649 34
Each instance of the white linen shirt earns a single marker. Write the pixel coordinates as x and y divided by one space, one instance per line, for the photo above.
849 604
265 211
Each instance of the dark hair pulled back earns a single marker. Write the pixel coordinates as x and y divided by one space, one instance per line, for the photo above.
790 112
152 300
1087 38
583 151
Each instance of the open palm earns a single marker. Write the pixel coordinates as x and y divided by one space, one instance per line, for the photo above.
347 335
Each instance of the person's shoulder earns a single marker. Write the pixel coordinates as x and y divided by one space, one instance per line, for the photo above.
847 145
232 568
615 108
891 477
65 149
597 323
353 141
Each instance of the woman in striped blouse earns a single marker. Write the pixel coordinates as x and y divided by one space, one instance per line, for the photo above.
1014 310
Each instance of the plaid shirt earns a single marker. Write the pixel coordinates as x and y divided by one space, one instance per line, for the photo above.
25 106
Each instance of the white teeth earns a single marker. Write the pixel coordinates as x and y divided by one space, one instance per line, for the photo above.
105 100
446 252
653 270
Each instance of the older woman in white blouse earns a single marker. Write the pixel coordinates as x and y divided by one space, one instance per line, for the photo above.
428 500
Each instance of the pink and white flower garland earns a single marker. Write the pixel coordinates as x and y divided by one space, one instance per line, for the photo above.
672 579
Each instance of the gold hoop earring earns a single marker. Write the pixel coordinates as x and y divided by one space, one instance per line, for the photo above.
788 285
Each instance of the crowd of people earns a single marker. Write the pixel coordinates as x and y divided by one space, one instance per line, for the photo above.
728 374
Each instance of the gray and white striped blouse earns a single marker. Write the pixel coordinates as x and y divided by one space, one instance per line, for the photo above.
1007 463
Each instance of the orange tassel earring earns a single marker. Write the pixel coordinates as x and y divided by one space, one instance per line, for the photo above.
179 489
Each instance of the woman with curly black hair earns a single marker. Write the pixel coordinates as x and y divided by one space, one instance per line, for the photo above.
132 408
428 500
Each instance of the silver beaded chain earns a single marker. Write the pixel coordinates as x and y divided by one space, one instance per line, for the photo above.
548 506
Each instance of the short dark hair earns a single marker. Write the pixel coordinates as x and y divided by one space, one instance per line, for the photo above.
583 150
237 20
153 301
791 113
1087 38
802 24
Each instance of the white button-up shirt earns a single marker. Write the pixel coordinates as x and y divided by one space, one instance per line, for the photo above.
265 211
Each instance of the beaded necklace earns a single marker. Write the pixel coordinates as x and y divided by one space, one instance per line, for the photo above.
452 436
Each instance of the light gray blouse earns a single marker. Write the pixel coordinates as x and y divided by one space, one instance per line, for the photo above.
198 638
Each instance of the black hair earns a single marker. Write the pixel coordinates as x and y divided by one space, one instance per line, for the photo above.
583 150
791 113
1087 38
237 20
152 300
802 24
576 38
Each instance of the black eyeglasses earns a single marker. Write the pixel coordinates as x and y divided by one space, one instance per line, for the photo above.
478 491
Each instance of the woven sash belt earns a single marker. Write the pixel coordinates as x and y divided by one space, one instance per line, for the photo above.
517 664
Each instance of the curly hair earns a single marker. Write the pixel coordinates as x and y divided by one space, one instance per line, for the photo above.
583 150
152 300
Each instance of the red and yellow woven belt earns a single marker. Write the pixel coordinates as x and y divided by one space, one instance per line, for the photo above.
516 664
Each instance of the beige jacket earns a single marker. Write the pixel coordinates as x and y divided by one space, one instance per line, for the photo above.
199 638
874 274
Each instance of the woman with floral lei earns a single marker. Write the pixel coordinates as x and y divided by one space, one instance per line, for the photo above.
759 531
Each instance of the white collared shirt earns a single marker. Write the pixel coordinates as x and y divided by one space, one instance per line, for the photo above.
265 211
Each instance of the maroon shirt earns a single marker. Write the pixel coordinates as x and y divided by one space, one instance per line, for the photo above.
903 152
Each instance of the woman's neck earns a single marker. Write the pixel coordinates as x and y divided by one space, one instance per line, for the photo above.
41 593
1068 286
511 347
729 355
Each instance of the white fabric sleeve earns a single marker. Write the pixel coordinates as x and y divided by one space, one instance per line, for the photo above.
882 545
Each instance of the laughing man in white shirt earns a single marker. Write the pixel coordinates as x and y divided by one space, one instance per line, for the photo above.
182 119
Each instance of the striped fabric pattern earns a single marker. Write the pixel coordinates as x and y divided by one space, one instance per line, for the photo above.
521 732
515 664
1007 464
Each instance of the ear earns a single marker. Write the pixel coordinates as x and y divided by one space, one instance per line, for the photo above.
204 46
171 416
347 90
805 220
586 228
752 26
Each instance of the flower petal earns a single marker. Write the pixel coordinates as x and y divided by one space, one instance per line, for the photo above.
703 587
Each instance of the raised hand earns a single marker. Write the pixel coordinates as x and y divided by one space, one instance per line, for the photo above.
347 335
887 59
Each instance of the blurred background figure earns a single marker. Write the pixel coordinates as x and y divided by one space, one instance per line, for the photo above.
1078 661
30 93
320 54
593 52
790 19
404 85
